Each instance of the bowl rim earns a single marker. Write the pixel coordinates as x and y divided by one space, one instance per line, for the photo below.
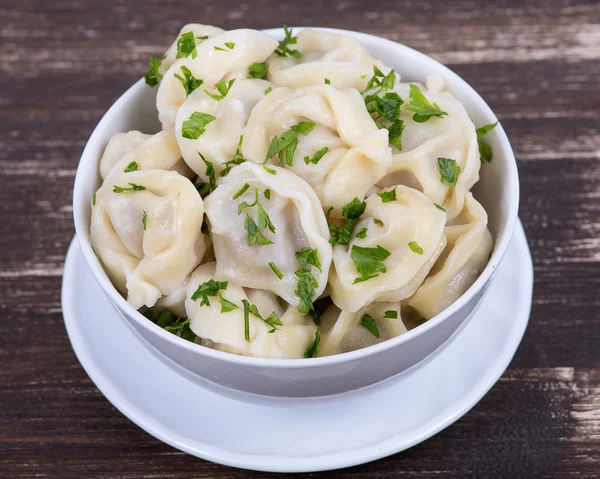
80 197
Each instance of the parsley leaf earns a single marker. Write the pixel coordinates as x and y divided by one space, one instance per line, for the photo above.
145 220
196 125
188 80
415 248
352 212
171 323
226 305
229 46
240 192
153 76
133 166
246 319
368 262
132 187
203 189
387 196
395 133
237 159
283 50
309 256
223 89
377 221
327 81
267 194
313 349
421 106
485 150
208 288
271 320
275 270
369 324
263 218
449 171
257 70
362 234
285 144
94 199
305 289
391 314
210 172
269 170
268 90
186 45
317 156
253 234
440 207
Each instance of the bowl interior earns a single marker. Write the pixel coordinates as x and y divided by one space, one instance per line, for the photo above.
497 189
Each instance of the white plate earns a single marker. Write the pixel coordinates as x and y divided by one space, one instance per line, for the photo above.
298 435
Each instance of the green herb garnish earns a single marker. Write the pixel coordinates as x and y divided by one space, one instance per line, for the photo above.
253 234
237 159
327 81
258 70
269 170
268 90
226 305
210 173
317 156
153 76
362 234
369 324
132 187
186 45
145 220
188 80
171 323
449 171
313 349
246 319
223 89
368 262
275 270
387 196
228 45
485 150
391 314
241 191
208 288
133 166
285 144
94 199
415 248
440 207
196 125
421 106
352 212
283 50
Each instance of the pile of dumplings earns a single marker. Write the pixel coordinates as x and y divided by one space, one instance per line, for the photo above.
273 216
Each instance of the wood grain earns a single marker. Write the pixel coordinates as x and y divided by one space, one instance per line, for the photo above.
536 63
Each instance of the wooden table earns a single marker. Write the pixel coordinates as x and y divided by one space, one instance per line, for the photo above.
64 62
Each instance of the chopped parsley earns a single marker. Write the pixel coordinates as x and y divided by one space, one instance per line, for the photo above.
188 80
269 170
196 125
415 248
237 159
362 234
171 323
267 194
327 81
246 319
285 144
369 324
133 166
272 320
282 49
485 150
186 45
203 189
257 70
422 108
241 191
268 90
440 207
391 314
145 220
275 270
352 212
377 221
210 173
223 89
253 234
132 187
94 199
307 283
226 305
206 289
449 171
228 45
313 349
387 196
317 156
384 105
368 262
153 76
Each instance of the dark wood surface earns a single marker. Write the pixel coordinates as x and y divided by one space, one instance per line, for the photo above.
64 62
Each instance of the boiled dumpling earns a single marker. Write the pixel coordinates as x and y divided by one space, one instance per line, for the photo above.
338 58
449 137
394 246
154 152
220 57
320 117
269 232
220 140
146 231
466 253
223 320
343 331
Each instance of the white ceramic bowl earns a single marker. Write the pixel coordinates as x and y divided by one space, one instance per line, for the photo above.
498 191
